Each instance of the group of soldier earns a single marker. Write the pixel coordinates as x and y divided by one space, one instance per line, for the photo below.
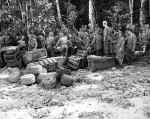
121 44
109 42
98 41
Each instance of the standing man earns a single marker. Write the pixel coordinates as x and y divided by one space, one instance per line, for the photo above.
50 42
145 37
130 44
120 46
41 41
84 36
107 35
131 38
97 42
32 43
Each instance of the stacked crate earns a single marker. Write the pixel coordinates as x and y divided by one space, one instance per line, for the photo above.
75 61
12 56
49 63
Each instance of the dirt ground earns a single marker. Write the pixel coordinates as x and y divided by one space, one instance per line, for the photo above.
110 94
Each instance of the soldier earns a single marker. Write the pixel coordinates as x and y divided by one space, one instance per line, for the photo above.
97 42
84 36
145 37
1 40
107 34
22 42
131 38
130 44
120 47
32 43
41 41
50 42
63 44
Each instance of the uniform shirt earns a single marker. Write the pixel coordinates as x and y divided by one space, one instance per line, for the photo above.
146 36
107 34
63 42
32 44
84 37
97 42
120 49
50 41
1 41
131 41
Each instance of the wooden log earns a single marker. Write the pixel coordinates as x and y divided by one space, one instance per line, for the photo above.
100 63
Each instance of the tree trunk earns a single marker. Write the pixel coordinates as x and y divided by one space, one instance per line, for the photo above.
58 12
91 14
142 16
131 10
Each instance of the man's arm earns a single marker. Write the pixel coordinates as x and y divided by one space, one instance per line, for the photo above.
134 42
58 43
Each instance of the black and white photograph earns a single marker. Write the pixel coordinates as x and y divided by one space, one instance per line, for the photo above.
74 59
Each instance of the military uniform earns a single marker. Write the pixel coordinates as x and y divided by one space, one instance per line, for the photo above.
84 36
108 41
131 41
50 42
120 49
63 44
32 43
97 44
41 41
145 37
130 46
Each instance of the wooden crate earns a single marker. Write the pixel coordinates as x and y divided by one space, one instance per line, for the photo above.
100 63
12 57
49 63
74 62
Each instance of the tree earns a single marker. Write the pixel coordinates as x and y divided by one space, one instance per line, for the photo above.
118 15
131 10
28 14
58 11
142 16
92 21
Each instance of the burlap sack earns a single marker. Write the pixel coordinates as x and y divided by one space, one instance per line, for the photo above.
35 69
13 75
47 80
67 80
27 79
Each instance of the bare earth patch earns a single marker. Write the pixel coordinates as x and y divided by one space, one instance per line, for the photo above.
110 94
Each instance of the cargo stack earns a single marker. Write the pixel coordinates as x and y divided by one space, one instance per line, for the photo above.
13 57
75 62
